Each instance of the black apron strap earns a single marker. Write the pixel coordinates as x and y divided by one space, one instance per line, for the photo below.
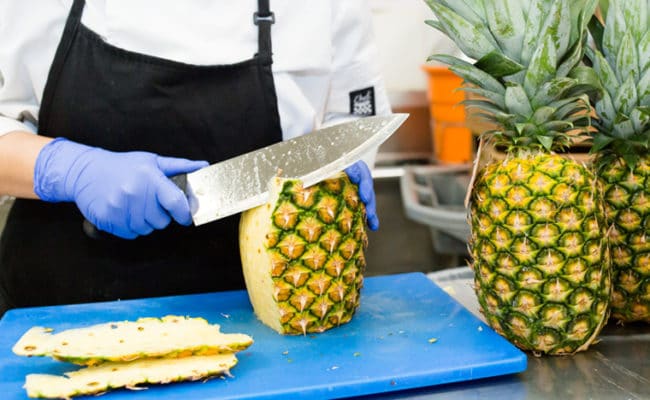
264 18
69 32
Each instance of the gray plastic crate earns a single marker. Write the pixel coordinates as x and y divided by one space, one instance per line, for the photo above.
433 195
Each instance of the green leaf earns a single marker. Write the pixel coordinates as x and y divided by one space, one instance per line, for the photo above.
495 98
626 98
465 9
546 141
449 60
473 39
571 107
572 58
551 91
627 59
575 53
644 52
600 142
623 128
640 118
606 111
607 76
635 13
470 73
561 32
542 115
581 11
581 121
485 106
615 28
558 126
505 19
542 66
588 83
498 65
556 24
517 102
596 29
644 110
526 129
436 24
536 12
479 78
486 116
643 89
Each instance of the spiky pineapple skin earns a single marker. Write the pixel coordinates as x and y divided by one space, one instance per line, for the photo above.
311 254
541 265
626 193
621 140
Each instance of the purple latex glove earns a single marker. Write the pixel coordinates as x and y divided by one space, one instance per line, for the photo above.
126 194
359 173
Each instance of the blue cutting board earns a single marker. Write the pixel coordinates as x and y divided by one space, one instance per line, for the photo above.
386 347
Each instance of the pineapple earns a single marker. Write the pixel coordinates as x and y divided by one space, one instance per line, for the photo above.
112 375
303 255
621 59
168 337
537 243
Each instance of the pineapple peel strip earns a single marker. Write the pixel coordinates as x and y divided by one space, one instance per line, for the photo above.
169 337
98 379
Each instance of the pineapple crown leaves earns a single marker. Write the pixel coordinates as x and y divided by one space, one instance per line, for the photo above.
527 75
621 58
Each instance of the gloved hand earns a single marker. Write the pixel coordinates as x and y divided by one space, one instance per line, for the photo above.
126 194
359 173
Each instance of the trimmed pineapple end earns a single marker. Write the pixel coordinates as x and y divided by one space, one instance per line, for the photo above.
99 379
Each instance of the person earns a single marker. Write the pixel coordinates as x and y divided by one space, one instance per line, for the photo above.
124 95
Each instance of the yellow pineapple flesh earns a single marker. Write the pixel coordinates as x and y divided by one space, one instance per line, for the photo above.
168 337
130 375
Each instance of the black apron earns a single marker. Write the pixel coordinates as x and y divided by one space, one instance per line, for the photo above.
104 96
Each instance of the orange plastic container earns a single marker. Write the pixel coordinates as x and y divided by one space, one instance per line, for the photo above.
452 139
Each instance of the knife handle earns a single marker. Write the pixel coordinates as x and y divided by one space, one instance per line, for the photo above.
91 230
180 181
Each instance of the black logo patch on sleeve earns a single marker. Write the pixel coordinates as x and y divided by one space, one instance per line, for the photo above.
362 102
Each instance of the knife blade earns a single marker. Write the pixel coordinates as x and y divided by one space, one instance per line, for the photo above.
242 182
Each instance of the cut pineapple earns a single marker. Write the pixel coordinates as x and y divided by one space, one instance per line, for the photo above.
303 255
168 337
98 379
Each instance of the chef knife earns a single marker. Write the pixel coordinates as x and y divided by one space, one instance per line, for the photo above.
242 182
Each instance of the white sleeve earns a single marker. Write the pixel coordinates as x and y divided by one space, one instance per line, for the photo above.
356 73
18 105
29 34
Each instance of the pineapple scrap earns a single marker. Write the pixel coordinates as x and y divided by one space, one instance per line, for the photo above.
114 375
167 337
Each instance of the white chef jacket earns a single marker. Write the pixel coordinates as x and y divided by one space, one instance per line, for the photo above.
323 50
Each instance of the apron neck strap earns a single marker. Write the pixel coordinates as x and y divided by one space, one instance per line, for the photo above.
264 18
